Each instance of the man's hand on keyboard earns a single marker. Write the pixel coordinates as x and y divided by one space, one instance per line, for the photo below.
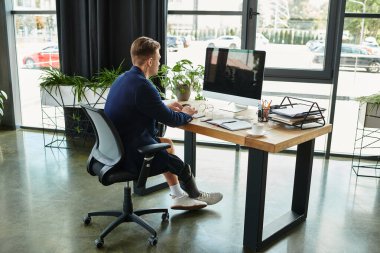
198 115
175 106
189 110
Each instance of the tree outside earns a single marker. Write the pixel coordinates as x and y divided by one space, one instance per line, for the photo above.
362 28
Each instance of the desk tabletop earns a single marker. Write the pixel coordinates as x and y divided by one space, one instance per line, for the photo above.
277 136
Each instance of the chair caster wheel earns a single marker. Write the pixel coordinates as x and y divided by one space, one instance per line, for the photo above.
99 243
165 217
153 240
86 220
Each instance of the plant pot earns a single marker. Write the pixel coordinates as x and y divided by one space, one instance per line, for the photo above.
369 115
57 96
182 92
63 95
77 125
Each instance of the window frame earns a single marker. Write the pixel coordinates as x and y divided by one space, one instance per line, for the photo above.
14 65
299 75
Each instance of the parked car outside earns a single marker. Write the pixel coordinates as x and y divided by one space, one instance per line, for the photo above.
353 56
229 41
226 41
370 43
48 56
261 40
186 40
314 44
174 43
372 49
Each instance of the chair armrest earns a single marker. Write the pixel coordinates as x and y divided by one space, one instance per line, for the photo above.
148 151
153 148
161 129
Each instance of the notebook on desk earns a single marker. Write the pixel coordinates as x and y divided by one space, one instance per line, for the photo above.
293 120
230 124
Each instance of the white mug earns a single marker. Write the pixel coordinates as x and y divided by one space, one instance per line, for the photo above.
257 129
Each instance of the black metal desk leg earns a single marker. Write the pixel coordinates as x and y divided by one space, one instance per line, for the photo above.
190 150
302 177
255 198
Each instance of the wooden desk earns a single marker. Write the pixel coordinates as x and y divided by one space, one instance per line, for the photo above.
278 138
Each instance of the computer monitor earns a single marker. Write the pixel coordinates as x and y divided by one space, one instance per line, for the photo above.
234 75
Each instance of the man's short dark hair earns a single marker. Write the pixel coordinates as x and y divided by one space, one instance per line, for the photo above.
142 49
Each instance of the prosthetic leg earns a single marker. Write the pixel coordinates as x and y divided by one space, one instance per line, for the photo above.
187 182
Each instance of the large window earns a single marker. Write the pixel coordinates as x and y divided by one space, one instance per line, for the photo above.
359 71
293 30
37 47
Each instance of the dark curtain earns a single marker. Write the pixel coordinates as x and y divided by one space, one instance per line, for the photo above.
95 34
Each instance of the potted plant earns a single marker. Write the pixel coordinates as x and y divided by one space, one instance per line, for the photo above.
3 97
106 77
182 78
369 110
60 90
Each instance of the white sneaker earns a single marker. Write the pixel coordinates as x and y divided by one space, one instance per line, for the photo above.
185 203
210 198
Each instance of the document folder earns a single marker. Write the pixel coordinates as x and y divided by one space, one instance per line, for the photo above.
297 111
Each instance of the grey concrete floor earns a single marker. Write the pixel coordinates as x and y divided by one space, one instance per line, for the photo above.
45 192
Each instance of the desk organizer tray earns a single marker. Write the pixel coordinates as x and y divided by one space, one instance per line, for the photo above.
298 112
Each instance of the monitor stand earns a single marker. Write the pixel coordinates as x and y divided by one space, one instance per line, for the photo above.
232 107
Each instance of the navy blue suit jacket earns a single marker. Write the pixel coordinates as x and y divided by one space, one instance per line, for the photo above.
134 105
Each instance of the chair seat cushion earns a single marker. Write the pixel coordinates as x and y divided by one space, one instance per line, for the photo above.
116 174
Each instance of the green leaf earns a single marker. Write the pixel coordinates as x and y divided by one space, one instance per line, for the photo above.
3 94
78 129
182 73
1 112
106 77
372 99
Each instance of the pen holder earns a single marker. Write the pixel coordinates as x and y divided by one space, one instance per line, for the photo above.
263 114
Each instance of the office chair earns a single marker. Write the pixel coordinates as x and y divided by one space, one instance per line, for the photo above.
142 189
105 162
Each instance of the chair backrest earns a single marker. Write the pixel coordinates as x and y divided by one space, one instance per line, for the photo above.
108 150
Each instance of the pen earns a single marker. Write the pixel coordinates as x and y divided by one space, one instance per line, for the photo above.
232 121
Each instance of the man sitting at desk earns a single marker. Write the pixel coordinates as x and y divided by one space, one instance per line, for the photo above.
134 105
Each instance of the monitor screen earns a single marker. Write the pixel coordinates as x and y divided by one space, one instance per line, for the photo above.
234 75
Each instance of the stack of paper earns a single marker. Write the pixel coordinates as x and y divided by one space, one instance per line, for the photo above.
297 111
292 121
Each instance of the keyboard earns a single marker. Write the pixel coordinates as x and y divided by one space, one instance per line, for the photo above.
198 115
